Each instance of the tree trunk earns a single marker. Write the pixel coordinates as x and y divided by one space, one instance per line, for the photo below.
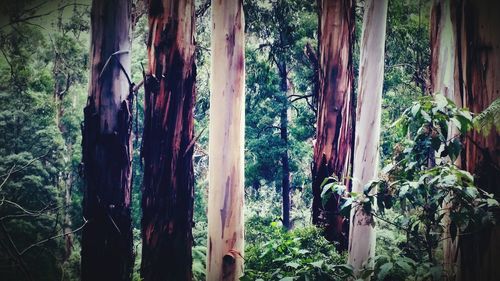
226 141
334 135
167 200
107 252
285 161
368 115
443 46
478 85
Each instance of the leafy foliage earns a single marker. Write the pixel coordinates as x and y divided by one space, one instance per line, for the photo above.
422 188
301 254
488 119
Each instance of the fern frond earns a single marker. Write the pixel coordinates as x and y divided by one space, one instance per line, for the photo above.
489 118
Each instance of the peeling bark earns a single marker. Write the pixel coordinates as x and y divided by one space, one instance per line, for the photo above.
443 51
167 200
107 252
477 85
334 135
367 136
226 141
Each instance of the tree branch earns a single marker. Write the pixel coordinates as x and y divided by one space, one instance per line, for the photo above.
53 237
25 19
200 12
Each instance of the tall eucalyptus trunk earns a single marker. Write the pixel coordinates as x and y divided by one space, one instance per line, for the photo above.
334 135
367 135
167 194
107 252
477 81
226 142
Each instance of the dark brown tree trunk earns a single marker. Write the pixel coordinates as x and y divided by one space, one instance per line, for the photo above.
478 85
107 252
285 162
334 135
167 200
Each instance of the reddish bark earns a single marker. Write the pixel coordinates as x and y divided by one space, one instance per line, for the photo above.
334 135
167 200
478 85
107 252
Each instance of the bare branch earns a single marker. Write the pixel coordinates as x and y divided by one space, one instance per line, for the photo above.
299 97
25 19
193 142
200 12
85 221
12 171
138 86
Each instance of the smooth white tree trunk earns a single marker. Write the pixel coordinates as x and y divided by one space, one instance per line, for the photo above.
367 135
226 141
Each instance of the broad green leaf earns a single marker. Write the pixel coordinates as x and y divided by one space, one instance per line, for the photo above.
404 265
317 264
384 270
415 109
492 202
441 101
293 265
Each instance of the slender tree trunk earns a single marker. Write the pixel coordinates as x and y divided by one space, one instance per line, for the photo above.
478 85
285 161
334 135
65 179
368 115
443 46
167 200
226 141
107 252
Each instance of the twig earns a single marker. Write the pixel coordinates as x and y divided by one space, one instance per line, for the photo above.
25 166
200 12
193 141
136 88
19 20
53 237
299 97
109 59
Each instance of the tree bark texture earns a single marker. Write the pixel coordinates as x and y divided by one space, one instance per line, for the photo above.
368 115
167 151
477 81
334 135
107 252
226 142
443 48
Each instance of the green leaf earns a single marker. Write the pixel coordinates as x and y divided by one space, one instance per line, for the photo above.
441 101
384 270
387 168
404 265
345 209
317 264
415 109
293 265
347 268
426 116
287 279
492 202
403 190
